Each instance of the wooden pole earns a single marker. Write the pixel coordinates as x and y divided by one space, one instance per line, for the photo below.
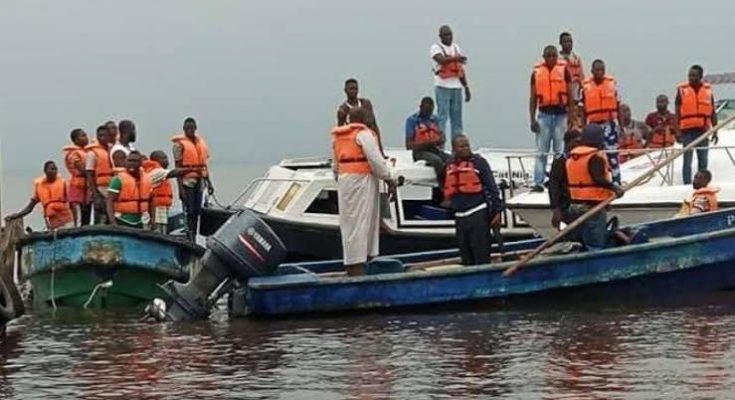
582 219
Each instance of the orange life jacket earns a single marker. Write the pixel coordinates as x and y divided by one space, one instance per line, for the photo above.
662 138
574 66
704 200
103 167
134 194
629 142
453 69
581 185
163 194
600 101
426 134
72 154
461 177
551 87
52 196
195 155
347 153
696 106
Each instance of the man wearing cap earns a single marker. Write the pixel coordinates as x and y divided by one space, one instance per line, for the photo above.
589 178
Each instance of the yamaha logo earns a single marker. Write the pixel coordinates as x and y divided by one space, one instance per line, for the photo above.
260 239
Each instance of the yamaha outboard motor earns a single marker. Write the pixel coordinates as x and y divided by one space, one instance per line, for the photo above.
242 248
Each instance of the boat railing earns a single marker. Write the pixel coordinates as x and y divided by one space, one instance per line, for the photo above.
256 184
653 155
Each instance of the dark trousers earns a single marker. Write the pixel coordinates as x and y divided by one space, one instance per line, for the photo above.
435 158
192 202
85 213
474 237
100 210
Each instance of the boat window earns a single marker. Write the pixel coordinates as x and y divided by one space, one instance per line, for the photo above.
324 203
286 199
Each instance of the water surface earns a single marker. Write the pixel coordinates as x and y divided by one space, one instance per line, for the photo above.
619 353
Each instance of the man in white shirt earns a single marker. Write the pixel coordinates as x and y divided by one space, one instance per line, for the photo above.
449 80
120 150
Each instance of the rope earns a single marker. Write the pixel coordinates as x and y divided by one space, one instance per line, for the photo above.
105 284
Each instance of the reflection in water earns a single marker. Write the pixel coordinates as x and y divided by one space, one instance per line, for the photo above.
610 354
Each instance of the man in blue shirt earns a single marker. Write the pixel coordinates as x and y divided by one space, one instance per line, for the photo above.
425 138
473 195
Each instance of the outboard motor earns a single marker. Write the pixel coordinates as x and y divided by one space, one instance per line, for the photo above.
242 248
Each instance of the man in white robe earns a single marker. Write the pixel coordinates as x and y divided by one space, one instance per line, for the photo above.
359 200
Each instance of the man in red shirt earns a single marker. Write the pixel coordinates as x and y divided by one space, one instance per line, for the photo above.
662 123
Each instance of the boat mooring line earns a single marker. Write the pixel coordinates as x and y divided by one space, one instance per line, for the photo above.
105 284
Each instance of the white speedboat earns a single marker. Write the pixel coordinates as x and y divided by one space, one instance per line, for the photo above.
658 198
298 199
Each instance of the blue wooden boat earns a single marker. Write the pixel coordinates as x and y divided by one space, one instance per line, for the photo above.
675 257
103 266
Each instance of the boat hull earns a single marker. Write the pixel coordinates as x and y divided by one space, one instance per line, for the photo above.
306 242
680 264
103 266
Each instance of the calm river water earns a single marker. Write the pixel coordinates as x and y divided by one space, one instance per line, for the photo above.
619 353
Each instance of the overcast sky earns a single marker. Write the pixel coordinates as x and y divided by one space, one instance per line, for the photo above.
264 77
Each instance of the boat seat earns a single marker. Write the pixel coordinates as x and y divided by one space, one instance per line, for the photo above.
433 213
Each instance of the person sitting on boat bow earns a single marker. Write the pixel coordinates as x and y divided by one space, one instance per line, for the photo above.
704 198
129 194
359 167
589 179
633 134
425 138
50 190
559 198
470 189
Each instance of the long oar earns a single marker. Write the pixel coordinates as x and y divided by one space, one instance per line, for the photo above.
579 221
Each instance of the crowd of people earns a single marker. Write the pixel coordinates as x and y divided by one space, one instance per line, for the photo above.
112 182
565 105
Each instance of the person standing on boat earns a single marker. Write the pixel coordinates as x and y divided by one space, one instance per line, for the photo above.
190 151
450 79
353 101
99 173
112 129
574 65
633 134
425 138
559 198
475 199
359 167
75 156
601 106
120 150
550 88
129 194
589 179
695 113
50 190
162 190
